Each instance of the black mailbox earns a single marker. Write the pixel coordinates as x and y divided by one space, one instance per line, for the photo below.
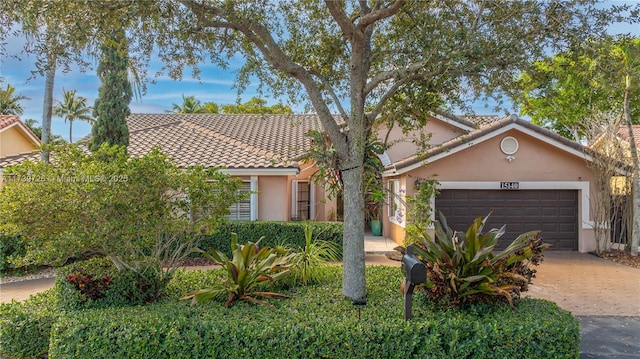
413 269
415 272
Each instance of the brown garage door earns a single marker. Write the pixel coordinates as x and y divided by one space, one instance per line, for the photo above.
555 212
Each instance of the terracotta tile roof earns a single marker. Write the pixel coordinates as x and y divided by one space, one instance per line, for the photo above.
475 121
18 159
6 120
623 133
485 120
233 141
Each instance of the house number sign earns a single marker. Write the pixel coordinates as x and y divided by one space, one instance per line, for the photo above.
509 185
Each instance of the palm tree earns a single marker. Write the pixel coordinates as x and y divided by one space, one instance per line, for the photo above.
10 103
189 105
73 108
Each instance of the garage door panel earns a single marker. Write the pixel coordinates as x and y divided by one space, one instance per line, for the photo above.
555 212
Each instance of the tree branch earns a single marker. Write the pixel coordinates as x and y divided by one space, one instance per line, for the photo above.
341 18
380 14
332 93
394 88
414 68
273 54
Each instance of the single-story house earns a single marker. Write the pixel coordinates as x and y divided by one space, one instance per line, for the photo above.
265 151
525 176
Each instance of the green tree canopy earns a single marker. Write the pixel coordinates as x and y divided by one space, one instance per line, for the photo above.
37 130
561 92
355 59
258 106
211 107
110 203
114 95
10 101
189 105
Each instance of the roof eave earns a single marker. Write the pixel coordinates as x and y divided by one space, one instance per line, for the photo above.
287 171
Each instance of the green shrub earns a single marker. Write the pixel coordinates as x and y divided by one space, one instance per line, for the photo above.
104 286
289 234
10 246
317 322
128 208
25 326
461 266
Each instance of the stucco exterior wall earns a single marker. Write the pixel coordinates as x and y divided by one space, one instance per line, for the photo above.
536 165
13 142
402 146
326 209
272 198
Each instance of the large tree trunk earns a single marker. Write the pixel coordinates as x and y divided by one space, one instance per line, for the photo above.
47 107
353 279
635 235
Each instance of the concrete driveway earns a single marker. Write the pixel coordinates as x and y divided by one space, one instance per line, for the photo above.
587 285
603 295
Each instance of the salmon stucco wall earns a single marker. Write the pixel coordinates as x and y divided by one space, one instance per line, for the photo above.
326 208
272 198
13 142
536 165
402 145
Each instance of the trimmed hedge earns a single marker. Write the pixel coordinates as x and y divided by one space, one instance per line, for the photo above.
25 326
318 322
274 233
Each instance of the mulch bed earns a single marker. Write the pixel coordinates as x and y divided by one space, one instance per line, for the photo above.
623 258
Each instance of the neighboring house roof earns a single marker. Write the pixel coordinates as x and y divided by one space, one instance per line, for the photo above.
18 159
492 127
9 121
456 121
623 133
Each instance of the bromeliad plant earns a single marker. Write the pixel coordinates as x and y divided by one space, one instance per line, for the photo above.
249 266
462 268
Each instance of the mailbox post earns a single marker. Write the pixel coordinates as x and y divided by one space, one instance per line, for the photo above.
415 272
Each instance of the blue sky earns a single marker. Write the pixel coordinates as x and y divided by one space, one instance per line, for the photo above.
214 85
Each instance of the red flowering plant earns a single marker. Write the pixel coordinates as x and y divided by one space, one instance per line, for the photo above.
90 287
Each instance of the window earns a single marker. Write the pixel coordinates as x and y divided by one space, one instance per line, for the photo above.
302 198
241 210
396 209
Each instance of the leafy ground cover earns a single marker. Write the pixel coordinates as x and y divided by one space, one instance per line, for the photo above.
317 322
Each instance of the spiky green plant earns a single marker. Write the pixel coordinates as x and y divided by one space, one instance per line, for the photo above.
461 267
249 266
308 260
